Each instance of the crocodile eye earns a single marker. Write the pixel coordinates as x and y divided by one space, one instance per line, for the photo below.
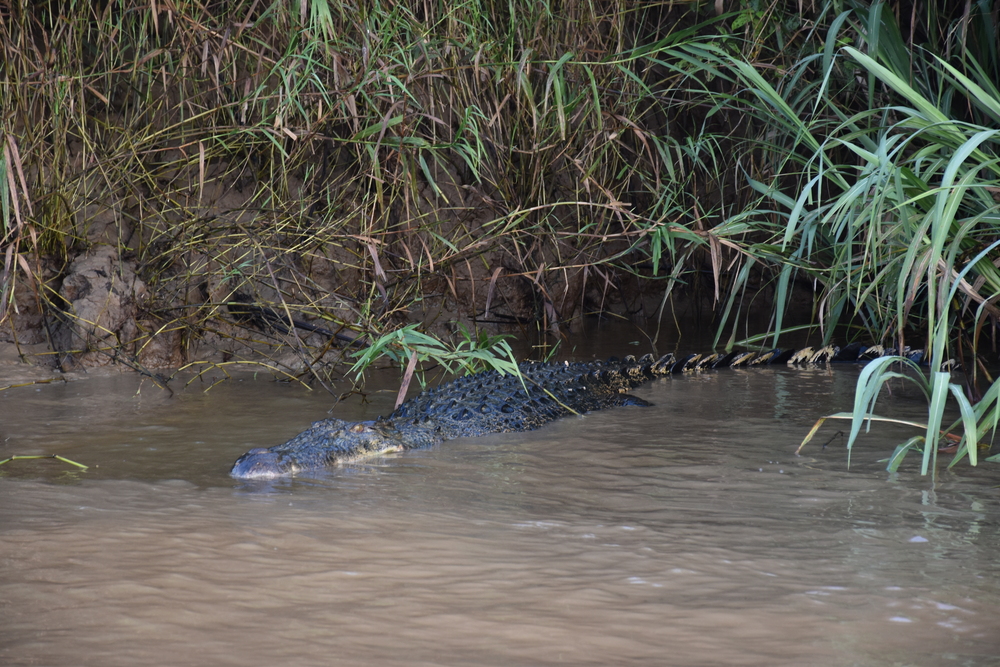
358 428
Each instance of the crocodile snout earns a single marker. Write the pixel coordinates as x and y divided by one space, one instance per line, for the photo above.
258 463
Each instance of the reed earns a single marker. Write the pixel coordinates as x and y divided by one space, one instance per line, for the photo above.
894 209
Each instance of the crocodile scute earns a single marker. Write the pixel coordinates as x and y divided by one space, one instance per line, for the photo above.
490 402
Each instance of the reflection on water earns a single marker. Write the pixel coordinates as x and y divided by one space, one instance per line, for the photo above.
683 534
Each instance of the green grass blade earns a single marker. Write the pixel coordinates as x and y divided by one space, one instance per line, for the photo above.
970 437
935 413
897 456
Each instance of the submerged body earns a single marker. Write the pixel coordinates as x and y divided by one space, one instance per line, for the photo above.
489 402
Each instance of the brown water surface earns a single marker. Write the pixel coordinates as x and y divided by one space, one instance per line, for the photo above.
683 534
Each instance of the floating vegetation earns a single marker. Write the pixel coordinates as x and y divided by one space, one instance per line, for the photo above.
19 457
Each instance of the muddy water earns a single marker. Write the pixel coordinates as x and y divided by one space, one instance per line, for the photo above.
683 534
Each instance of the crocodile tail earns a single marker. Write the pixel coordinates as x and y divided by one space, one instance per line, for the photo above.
631 372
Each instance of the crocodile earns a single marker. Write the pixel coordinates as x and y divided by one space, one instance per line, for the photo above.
491 402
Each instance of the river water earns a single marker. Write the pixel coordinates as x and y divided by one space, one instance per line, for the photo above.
683 534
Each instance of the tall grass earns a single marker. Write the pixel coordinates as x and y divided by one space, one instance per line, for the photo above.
349 165
894 210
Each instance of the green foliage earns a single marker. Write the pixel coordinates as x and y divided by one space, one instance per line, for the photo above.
409 348
472 354
894 212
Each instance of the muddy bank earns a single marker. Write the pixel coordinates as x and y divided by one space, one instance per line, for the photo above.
104 308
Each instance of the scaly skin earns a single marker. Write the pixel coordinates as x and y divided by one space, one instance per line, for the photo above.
488 402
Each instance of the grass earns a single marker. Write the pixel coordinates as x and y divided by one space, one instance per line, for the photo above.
345 167
896 212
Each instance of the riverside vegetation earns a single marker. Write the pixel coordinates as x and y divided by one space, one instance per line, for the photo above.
192 185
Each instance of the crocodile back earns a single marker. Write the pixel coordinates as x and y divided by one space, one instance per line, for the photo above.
493 403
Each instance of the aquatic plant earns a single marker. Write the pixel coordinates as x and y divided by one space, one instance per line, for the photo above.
896 208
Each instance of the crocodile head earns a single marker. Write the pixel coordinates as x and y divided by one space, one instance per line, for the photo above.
327 443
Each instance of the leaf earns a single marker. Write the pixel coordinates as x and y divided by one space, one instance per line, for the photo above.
897 456
939 391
